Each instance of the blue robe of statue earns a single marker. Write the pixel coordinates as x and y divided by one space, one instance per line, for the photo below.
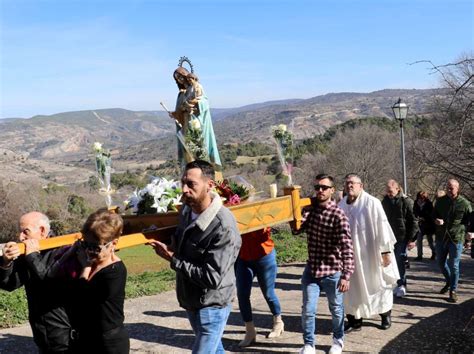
203 114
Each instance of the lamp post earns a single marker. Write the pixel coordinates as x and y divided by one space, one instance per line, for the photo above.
400 111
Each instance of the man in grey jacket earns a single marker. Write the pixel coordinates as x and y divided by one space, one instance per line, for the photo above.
203 252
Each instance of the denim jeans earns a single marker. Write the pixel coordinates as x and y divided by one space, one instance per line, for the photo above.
265 269
311 289
400 250
208 325
449 267
419 242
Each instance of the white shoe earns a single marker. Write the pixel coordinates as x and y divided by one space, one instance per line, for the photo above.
337 345
395 290
401 292
308 349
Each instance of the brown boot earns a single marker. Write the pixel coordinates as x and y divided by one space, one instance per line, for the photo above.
453 296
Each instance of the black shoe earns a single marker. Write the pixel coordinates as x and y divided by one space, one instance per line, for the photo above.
418 259
386 320
352 324
444 290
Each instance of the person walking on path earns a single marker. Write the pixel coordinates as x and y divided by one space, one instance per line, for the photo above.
451 216
47 315
399 210
203 252
423 210
376 271
257 257
329 266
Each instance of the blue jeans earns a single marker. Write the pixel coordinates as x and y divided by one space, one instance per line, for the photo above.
419 241
208 325
265 269
400 250
311 289
449 267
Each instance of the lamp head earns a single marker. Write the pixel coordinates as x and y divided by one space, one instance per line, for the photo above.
400 110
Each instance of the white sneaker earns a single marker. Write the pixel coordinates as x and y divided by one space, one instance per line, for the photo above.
308 349
337 346
395 290
401 292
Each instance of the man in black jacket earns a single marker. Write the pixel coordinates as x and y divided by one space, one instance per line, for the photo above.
399 210
48 319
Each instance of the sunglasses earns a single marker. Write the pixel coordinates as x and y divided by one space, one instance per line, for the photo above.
94 247
317 187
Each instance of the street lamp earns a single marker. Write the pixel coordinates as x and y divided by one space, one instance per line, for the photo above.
400 111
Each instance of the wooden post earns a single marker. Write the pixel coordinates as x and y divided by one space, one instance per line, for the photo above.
294 192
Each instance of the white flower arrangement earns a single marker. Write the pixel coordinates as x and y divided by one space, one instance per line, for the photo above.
103 165
284 142
159 196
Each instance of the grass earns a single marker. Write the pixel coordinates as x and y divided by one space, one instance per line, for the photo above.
148 274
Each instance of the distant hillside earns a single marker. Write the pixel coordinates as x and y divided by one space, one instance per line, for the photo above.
72 133
315 115
147 137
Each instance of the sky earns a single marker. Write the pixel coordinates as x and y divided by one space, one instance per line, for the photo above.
58 56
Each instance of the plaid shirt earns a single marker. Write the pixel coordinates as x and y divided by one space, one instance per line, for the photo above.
329 241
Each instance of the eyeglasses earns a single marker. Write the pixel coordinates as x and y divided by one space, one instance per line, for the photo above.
317 187
94 247
352 183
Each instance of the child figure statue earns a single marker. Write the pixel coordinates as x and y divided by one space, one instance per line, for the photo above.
192 106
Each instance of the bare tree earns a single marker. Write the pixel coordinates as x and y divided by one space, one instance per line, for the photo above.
446 148
369 151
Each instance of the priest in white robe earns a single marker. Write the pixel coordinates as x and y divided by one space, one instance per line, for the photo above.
376 271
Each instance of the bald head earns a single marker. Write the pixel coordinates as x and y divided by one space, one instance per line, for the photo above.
452 188
34 225
392 188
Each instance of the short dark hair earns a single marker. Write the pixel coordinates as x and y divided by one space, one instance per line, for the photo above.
206 168
325 176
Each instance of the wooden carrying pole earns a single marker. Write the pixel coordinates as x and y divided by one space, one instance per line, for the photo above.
250 216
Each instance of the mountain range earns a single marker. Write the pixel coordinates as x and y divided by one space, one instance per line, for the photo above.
144 137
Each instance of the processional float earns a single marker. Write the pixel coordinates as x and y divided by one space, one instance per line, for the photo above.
250 215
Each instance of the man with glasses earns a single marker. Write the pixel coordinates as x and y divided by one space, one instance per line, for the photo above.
203 252
329 265
48 319
376 270
451 213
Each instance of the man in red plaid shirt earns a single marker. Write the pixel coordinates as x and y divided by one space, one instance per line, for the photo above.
330 263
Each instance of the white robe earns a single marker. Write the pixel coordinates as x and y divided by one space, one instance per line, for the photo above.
371 285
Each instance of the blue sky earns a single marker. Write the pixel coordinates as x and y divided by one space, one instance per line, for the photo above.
67 55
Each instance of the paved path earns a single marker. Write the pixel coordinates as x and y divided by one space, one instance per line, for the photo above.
422 322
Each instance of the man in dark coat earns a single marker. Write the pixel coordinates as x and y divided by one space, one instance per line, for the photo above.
399 210
47 316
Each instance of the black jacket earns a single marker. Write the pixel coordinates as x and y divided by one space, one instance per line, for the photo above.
425 217
400 215
48 319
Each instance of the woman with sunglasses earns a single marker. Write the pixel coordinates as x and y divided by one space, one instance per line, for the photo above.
97 278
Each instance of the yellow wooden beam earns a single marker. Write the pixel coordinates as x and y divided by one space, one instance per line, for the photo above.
250 216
